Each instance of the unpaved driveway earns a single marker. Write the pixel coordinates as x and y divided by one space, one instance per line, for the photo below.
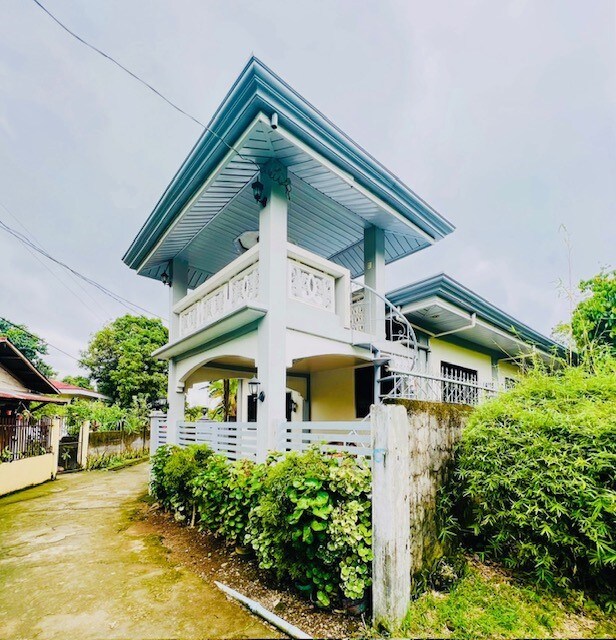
73 564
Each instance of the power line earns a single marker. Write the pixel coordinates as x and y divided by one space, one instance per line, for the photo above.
53 273
140 80
131 306
271 174
33 335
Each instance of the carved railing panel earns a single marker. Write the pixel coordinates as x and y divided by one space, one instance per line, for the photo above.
239 290
311 286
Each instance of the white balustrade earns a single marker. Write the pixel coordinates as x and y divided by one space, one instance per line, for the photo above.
348 437
311 286
237 291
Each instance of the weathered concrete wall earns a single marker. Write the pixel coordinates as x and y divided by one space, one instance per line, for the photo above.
435 428
116 442
20 474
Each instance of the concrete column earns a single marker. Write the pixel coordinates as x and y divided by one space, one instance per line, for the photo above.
54 440
84 443
176 397
391 522
374 277
271 357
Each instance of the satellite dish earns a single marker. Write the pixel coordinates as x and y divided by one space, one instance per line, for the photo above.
247 240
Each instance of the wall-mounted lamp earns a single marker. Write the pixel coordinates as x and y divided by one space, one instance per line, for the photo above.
165 278
257 192
253 385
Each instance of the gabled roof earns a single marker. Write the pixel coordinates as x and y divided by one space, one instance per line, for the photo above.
422 301
322 161
74 390
21 368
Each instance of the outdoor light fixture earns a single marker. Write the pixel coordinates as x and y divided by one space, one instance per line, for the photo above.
165 278
253 385
257 192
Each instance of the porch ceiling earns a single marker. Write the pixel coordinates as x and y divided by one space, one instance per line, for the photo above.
337 189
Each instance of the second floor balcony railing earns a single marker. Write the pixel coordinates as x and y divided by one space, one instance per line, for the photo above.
311 280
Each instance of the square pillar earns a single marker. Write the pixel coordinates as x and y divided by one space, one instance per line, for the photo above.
176 397
374 277
271 356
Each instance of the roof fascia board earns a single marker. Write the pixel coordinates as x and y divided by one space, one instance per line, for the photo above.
448 289
17 353
228 157
258 89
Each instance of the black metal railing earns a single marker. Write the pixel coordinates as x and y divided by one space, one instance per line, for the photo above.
21 438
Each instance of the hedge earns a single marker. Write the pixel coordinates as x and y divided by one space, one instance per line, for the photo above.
534 483
307 516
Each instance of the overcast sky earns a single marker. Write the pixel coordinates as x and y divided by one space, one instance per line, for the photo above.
501 114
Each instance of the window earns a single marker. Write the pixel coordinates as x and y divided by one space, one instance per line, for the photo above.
460 384
510 383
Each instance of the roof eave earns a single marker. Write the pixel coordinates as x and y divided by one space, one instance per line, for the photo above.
259 89
445 287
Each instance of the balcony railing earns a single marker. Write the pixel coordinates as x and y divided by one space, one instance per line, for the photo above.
450 388
311 280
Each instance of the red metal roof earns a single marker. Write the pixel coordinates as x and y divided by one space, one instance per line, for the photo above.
18 395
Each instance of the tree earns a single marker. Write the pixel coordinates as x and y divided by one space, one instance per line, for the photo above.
78 381
119 358
226 392
33 347
594 318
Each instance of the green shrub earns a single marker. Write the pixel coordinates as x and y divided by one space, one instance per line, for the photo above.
173 469
306 515
535 478
111 460
313 523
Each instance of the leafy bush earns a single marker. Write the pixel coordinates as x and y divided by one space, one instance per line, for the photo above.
306 515
173 469
112 460
535 478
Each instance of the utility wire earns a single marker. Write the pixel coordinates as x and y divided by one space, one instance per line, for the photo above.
54 274
272 174
33 335
131 306
141 81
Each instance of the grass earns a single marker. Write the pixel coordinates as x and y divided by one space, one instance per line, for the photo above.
115 461
486 604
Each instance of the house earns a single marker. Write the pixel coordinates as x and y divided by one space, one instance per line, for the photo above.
70 392
262 235
22 386
28 448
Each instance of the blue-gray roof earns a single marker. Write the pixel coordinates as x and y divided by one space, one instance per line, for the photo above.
259 91
446 288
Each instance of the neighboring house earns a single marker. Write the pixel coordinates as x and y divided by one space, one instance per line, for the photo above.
70 392
22 386
28 448
262 235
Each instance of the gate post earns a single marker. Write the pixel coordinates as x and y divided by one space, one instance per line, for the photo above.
84 443
155 419
54 441
391 525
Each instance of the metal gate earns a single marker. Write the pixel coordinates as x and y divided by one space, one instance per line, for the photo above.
67 453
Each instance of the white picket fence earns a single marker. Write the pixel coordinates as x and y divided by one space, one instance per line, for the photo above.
238 440
235 440
350 437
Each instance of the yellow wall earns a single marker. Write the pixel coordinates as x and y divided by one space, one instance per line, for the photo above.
507 370
332 394
454 354
25 473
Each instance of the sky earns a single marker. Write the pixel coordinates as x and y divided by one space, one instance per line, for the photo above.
501 115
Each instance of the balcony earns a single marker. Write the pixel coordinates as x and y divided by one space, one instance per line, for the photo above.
318 294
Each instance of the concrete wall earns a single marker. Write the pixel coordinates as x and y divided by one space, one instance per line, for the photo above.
435 428
100 442
20 474
332 394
